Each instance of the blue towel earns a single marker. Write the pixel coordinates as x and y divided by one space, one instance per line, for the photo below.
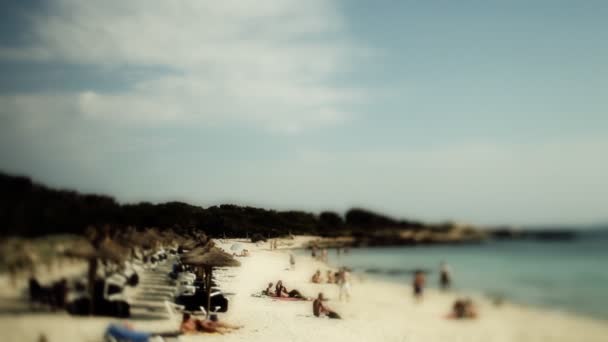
123 334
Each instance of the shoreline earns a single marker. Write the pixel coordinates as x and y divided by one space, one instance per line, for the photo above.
378 310
402 276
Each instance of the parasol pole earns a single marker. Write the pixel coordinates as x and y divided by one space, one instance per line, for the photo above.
209 272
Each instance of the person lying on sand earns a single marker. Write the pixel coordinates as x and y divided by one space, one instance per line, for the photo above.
281 291
463 308
320 310
316 278
192 325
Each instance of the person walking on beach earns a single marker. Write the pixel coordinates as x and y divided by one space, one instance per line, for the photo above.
445 276
292 261
343 282
324 255
418 284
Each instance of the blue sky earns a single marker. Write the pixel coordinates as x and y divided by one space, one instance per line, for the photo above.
487 112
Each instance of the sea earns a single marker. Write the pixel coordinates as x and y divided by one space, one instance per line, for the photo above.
567 275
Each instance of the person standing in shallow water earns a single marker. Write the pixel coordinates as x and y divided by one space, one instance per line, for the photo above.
445 276
418 284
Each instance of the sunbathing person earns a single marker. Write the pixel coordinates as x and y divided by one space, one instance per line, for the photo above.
463 308
320 310
191 325
268 291
213 325
316 278
188 325
281 291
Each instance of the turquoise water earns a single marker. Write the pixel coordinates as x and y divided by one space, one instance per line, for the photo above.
567 275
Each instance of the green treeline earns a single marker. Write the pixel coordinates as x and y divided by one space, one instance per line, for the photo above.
30 209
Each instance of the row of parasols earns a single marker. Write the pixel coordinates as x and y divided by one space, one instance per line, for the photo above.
101 245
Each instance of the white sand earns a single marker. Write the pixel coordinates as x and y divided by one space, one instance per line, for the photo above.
378 311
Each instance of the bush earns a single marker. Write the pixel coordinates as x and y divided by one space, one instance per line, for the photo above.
257 237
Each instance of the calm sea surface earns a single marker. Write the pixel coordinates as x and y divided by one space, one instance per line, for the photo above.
568 275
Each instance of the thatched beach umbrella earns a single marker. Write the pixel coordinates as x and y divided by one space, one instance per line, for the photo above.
188 244
215 257
18 255
106 250
199 250
148 239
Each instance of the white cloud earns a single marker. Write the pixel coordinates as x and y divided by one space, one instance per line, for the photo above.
269 62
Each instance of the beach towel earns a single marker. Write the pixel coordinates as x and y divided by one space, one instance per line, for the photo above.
120 333
291 299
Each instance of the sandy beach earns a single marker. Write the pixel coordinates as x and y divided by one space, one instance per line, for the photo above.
377 311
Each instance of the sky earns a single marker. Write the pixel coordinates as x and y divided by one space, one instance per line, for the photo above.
487 112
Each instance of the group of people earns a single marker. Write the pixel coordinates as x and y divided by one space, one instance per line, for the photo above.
462 307
419 281
330 278
319 254
281 291
341 278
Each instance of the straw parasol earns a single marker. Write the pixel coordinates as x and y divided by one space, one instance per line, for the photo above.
188 244
149 238
106 250
18 255
215 257
200 250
